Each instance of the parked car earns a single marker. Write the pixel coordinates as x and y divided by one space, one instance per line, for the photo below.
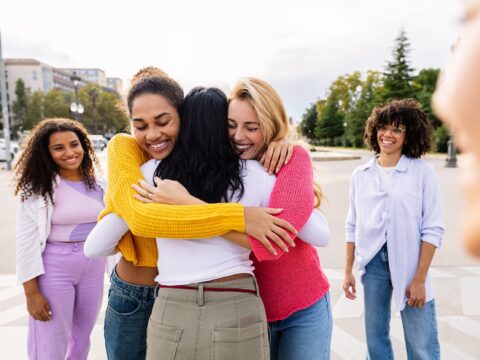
14 149
99 142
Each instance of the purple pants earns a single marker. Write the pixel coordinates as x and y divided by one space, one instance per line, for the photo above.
73 286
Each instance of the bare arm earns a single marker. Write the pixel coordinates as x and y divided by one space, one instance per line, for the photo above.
416 292
37 305
349 279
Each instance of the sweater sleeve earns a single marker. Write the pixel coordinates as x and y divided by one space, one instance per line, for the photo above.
160 220
293 192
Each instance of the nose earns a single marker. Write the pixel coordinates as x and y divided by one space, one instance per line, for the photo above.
239 134
153 134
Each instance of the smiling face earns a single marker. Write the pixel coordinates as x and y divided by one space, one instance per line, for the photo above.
391 139
155 124
244 130
66 152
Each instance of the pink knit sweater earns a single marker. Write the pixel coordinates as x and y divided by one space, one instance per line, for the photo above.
290 281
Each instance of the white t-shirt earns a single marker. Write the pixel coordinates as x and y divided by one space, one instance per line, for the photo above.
184 261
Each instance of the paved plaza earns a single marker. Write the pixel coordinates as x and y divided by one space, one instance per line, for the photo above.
456 276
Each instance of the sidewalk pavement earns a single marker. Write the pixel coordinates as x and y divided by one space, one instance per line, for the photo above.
458 313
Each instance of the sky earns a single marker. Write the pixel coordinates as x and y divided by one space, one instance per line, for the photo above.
298 46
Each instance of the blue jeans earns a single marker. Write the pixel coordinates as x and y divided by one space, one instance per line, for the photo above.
126 319
304 335
419 325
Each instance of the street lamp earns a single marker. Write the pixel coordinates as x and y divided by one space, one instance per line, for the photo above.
75 107
451 160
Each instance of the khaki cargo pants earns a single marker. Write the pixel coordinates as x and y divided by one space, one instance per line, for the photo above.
208 325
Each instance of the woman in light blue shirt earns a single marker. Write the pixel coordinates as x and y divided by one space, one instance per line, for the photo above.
393 227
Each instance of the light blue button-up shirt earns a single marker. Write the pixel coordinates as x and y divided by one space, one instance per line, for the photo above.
408 212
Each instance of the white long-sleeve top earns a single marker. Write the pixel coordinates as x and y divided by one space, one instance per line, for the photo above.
189 261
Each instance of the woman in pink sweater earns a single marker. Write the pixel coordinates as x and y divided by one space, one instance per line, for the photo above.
293 288
292 285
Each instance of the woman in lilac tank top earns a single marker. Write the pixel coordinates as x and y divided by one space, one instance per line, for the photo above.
59 201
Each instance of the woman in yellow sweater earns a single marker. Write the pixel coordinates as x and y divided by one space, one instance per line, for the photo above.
155 127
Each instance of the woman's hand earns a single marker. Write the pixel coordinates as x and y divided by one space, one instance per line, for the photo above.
38 306
166 192
349 286
261 224
278 154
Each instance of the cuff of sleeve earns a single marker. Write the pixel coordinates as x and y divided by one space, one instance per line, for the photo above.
235 217
350 237
435 241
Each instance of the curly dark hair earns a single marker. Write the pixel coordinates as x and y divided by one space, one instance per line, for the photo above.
157 85
203 159
406 112
35 171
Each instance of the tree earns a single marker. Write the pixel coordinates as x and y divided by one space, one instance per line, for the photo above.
20 105
34 110
309 120
397 77
56 103
330 122
359 114
424 86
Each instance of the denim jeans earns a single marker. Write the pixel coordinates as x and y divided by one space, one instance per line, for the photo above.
126 319
419 325
305 335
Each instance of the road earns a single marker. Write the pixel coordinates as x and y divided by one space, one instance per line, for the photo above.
456 276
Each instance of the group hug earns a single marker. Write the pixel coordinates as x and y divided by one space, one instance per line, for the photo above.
207 225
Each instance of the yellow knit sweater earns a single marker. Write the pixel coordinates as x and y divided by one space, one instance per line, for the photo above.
147 221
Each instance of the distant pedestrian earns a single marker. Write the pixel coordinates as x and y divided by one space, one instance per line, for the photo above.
394 225
60 199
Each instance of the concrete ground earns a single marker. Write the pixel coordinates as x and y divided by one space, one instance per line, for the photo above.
456 276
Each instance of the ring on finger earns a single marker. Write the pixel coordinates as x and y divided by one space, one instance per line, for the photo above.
149 195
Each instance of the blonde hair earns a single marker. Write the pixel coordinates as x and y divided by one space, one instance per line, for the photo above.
271 114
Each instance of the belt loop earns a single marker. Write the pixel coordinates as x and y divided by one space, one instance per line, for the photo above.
200 300
256 286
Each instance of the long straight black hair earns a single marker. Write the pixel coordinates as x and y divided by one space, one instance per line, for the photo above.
203 159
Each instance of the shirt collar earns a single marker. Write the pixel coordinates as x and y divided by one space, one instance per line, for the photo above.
402 164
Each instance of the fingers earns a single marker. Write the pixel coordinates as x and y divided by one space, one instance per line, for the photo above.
283 235
274 160
282 154
269 159
273 211
285 225
289 153
157 180
140 191
266 243
350 291
146 186
276 239
142 199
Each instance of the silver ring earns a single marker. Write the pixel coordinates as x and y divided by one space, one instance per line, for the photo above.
149 195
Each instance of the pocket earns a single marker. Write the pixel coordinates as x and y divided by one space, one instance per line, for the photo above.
162 341
250 342
122 304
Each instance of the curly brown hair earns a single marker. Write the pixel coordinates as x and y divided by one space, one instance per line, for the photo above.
35 171
146 72
406 112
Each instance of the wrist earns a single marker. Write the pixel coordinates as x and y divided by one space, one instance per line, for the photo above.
419 278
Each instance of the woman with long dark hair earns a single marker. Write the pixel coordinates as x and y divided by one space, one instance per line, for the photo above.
60 199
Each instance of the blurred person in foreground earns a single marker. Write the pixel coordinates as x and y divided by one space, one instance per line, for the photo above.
457 102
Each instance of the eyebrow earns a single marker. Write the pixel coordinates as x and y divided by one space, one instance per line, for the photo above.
156 117
248 122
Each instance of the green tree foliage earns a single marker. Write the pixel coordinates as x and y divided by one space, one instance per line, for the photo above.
309 121
20 105
56 104
34 110
351 98
330 122
398 75
362 109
